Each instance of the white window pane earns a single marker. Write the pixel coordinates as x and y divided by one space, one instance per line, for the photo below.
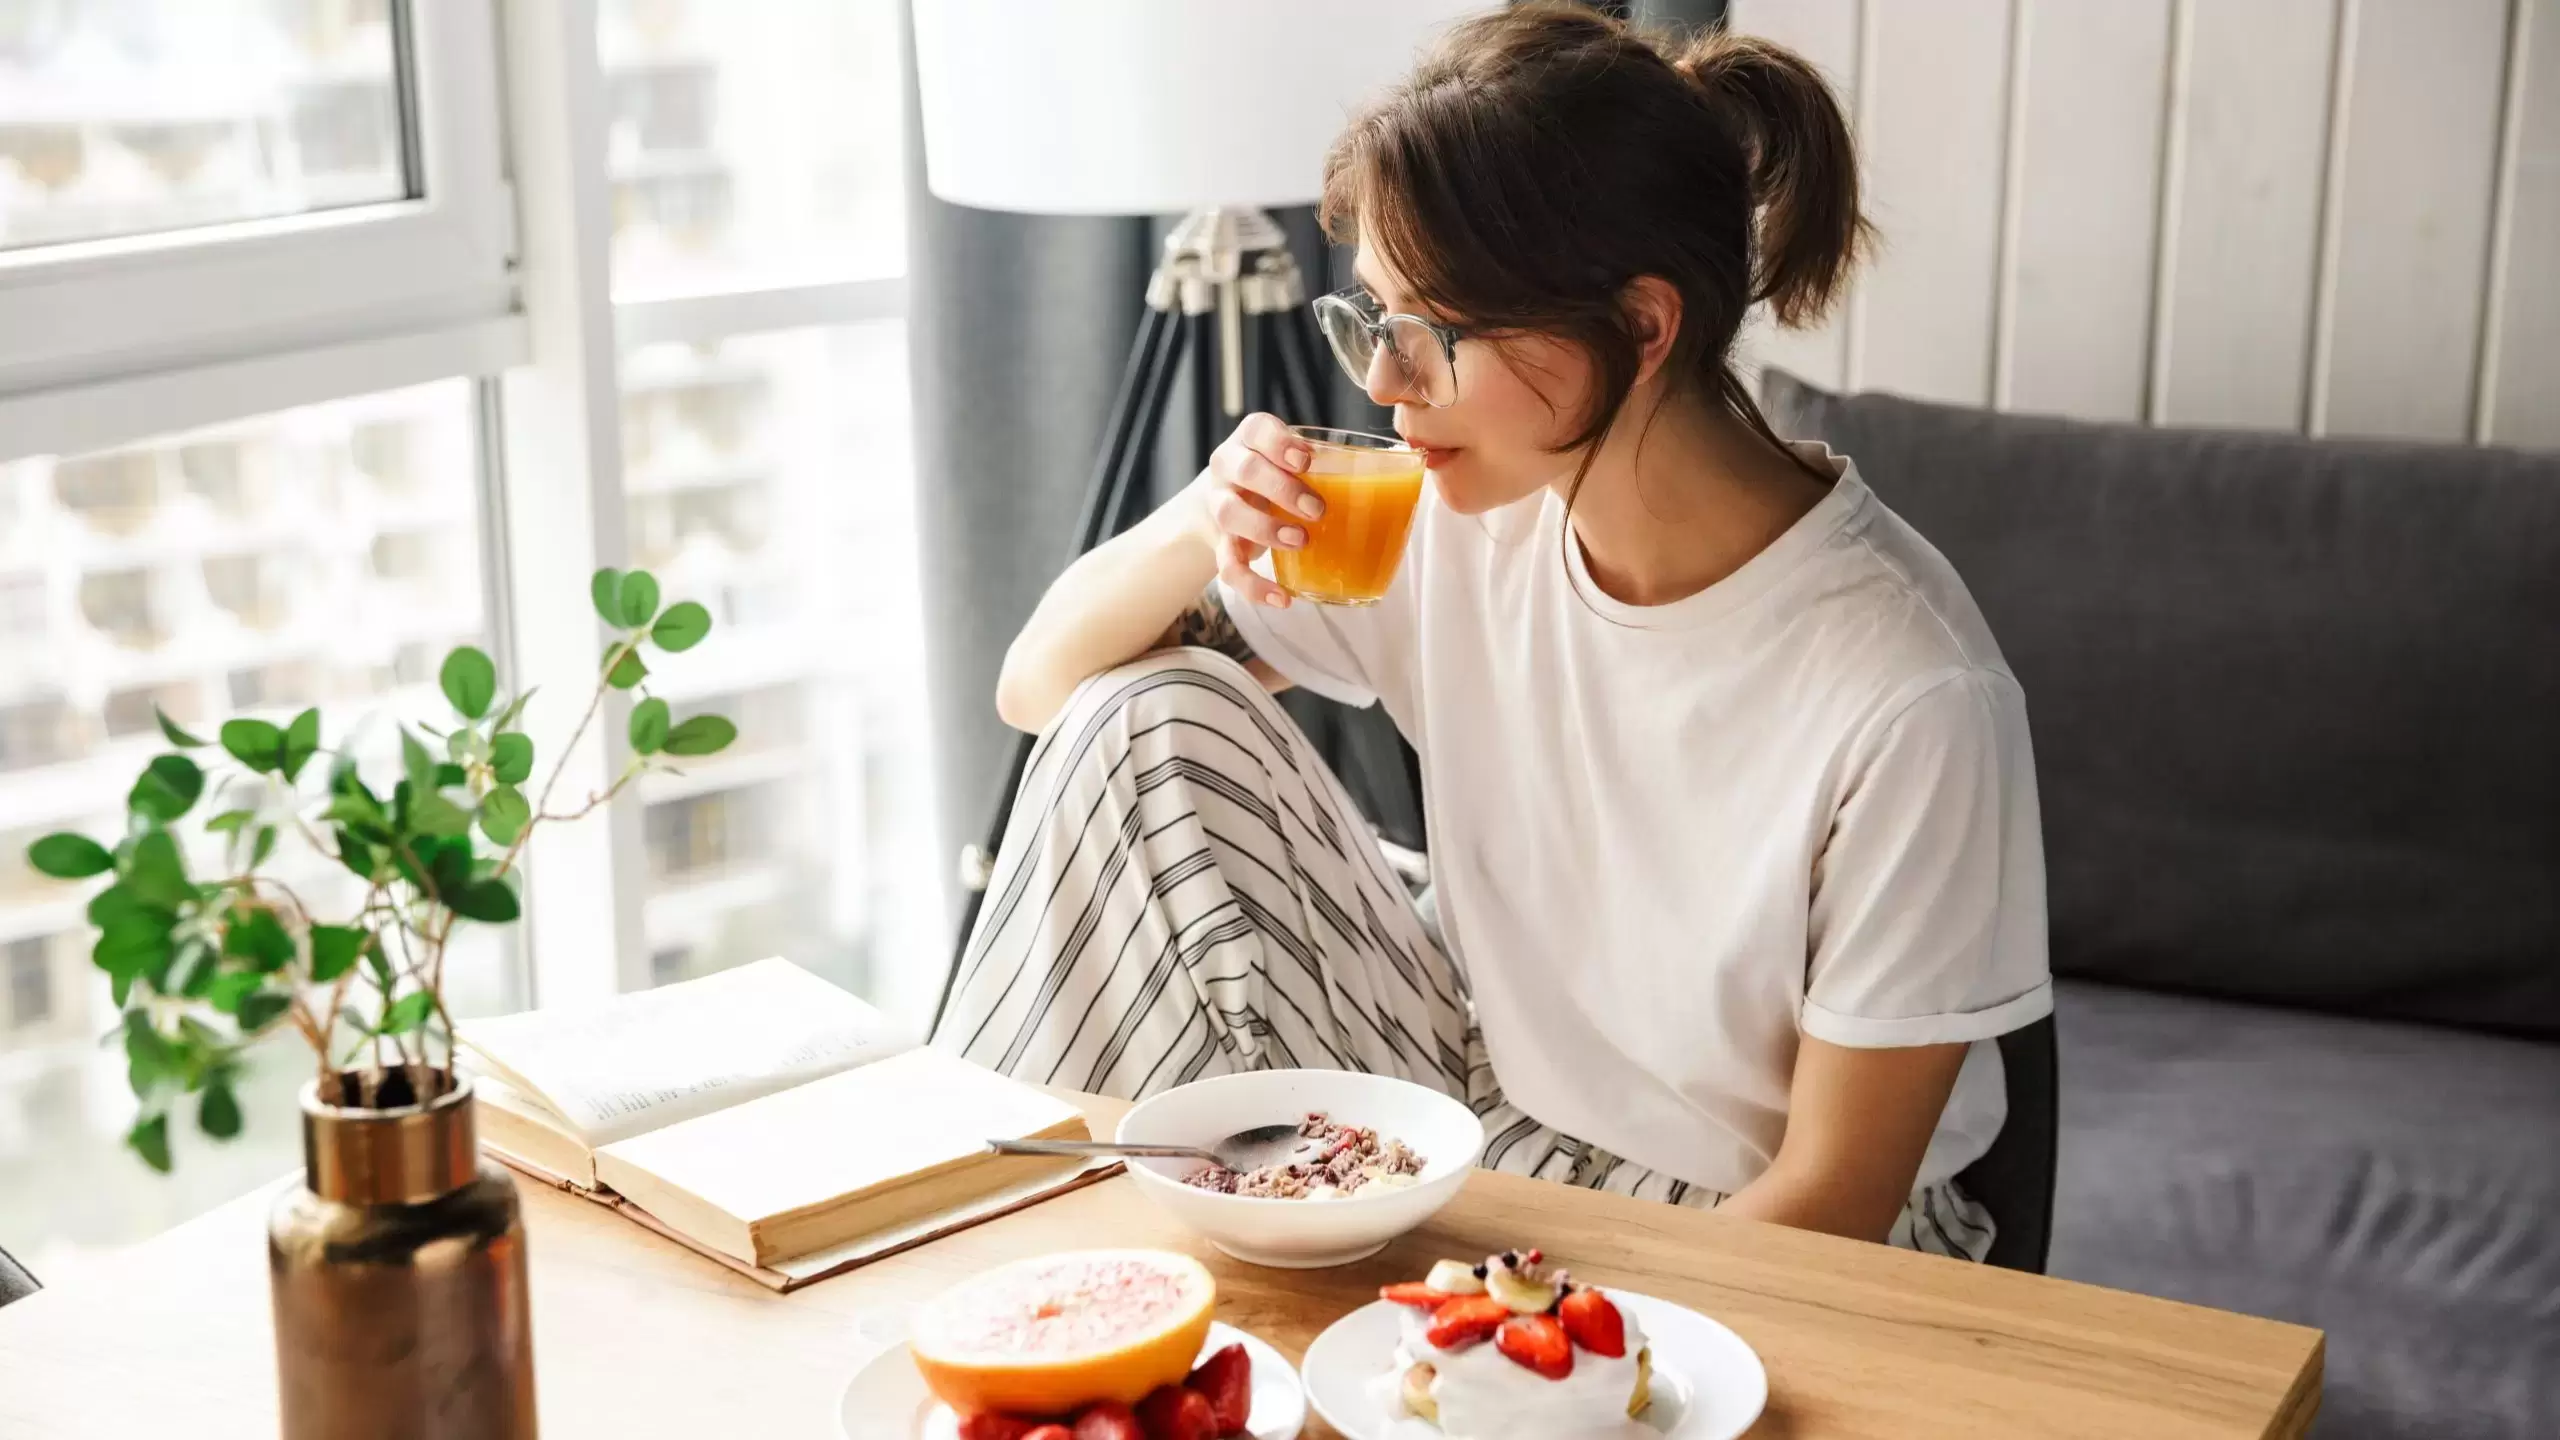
770 477
752 145
124 117
327 557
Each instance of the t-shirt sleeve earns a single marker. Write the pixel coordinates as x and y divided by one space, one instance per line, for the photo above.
1357 654
1928 919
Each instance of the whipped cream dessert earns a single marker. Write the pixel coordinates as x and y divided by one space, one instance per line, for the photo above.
1508 1351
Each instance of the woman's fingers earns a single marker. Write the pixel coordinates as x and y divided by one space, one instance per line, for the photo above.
1235 566
1240 518
1263 457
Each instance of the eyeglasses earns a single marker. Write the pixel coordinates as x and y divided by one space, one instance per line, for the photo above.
1424 353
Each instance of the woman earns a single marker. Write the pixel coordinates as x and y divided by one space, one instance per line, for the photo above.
1733 818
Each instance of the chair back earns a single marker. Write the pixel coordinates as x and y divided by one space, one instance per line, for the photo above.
2014 1178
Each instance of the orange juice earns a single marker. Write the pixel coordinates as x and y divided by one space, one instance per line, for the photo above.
1369 486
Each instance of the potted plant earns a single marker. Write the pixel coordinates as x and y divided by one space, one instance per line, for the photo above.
398 1266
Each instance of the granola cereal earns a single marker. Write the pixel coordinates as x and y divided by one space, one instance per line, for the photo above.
1347 1158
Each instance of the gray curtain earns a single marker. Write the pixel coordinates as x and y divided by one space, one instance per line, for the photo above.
1018 328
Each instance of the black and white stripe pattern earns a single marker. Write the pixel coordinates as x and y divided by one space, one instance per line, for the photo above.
1186 890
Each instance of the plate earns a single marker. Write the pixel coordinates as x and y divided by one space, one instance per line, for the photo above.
1707 1384
887 1399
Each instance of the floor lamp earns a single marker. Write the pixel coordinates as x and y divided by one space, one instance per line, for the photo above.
1216 110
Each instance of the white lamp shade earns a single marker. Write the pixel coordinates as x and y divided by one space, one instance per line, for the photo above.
1142 107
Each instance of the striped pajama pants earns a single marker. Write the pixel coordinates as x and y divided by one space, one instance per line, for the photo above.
1186 890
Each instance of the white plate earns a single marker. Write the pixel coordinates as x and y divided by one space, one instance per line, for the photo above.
1707 1384
887 1399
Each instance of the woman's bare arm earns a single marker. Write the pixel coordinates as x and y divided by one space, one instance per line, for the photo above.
1858 1123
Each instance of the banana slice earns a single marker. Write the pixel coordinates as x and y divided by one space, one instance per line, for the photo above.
1520 1296
1643 1397
1417 1393
1454 1277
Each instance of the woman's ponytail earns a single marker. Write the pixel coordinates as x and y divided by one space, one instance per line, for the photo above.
1804 169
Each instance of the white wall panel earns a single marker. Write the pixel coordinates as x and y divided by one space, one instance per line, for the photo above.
2085 146
1933 106
2415 177
2520 384
1826 33
2247 156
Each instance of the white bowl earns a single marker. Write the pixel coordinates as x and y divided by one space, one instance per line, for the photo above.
1303 1234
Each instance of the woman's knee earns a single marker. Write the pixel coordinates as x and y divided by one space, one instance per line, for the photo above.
1180 683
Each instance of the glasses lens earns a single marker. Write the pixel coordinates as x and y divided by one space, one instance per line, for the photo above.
1354 347
1425 360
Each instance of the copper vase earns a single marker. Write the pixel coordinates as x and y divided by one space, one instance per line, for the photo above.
398 1275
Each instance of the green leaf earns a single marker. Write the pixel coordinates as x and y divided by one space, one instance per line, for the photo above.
118 902
229 820
170 728
219 1112
448 863
449 775
343 776
356 855
156 873
514 708
66 856
151 1061
227 991
265 846
380 965
355 807
416 763
131 946
627 672
192 971
301 741
254 743
485 900
432 814
605 588
150 1140
701 735
504 814
334 949
406 1013
470 681
511 758
167 788
649 725
262 1010
682 627
639 599
259 938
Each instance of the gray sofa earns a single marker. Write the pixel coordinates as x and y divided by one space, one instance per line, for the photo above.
2296 710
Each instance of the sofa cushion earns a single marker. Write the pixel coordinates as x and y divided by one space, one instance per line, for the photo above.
2397 1186
2296 703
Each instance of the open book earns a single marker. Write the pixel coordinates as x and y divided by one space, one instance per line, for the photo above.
763 1116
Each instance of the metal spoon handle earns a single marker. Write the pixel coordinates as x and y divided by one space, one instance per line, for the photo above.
1084 1148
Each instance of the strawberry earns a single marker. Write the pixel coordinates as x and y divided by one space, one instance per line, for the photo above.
1415 1293
1172 1413
1108 1420
1051 1432
995 1425
1225 1380
1594 1323
1465 1320
1538 1342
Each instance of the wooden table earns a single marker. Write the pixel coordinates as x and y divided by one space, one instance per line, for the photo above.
635 1337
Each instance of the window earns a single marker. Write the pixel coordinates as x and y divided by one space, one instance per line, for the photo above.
274 433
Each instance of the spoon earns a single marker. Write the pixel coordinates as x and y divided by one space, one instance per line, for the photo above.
1244 1150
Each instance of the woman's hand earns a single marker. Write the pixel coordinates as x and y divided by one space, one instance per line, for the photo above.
1247 501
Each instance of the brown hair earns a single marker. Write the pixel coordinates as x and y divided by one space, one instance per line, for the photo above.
1545 155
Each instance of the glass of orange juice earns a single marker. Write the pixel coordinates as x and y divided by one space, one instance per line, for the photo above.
1370 484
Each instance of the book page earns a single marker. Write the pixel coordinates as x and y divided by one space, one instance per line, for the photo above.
628 1065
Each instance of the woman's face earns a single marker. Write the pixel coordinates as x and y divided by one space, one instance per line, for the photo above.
1515 402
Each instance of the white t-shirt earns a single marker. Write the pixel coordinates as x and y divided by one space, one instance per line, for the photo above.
1667 838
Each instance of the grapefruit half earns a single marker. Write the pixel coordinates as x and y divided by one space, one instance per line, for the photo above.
1049 1334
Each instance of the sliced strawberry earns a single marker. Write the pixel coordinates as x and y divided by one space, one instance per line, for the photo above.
1538 1342
1465 1320
1415 1293
1051 1432
1108 1420
1594 1323
995 1425
1172 1413
1225 1380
